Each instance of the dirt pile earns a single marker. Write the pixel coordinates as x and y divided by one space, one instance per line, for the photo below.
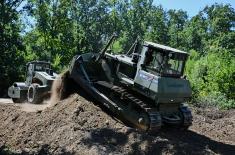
77 126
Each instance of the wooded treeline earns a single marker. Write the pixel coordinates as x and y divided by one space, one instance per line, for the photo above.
62 28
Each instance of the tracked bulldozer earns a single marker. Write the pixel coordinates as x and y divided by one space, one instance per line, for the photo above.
39 79
145 86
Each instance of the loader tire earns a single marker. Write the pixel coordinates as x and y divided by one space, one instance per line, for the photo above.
17 100
33 95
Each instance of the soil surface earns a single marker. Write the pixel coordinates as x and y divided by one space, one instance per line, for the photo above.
77 126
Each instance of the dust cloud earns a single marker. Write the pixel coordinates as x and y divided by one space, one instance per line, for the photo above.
28 107
58 89
55 91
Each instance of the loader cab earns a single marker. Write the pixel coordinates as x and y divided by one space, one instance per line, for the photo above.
37 66
162 60
40 66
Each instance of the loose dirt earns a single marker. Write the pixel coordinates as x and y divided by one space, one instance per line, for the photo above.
77 126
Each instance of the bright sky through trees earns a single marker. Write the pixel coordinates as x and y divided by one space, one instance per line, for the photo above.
191 6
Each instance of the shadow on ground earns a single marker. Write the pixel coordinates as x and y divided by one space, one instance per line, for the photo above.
44 150
168 141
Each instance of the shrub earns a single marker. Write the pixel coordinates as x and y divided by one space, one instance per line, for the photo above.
212 78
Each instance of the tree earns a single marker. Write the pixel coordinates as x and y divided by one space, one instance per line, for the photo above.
221 26
53 37
157 30
11 48
220 19
195 33
176 23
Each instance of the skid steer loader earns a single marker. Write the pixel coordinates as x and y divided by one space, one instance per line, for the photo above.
39 79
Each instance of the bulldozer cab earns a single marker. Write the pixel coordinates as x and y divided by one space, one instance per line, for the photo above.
160 72
163 62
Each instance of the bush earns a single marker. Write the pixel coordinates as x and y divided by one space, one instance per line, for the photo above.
216 99
213 78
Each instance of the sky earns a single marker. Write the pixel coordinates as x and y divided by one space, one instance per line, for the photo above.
191 6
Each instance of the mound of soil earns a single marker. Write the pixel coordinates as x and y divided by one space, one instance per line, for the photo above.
77 126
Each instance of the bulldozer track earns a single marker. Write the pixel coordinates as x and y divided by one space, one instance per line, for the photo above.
154 116
152 112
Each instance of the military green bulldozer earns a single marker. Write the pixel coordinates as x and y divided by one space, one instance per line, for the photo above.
39 79
145 85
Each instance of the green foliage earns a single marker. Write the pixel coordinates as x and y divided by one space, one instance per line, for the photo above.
220 19
177 21
212 77
157 30
56 62
11 46
216 99
211 66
